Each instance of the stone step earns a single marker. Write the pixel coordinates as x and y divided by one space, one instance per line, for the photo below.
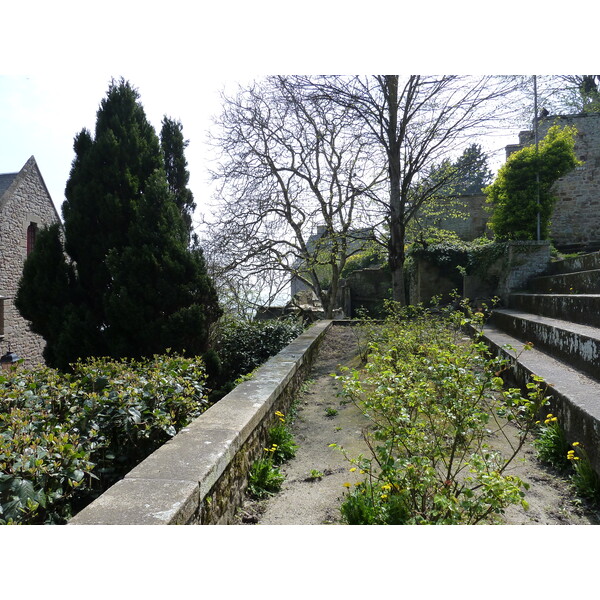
574 397
578 308
576 344
580 282
585 262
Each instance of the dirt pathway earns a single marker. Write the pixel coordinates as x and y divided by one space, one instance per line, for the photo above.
321 419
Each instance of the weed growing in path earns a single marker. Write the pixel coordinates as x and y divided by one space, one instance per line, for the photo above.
433 397
551 444
265 478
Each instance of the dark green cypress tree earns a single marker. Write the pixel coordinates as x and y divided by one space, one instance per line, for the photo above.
134 286
46 269
173 147
161 296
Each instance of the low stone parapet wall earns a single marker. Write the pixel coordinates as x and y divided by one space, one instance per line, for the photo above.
200 475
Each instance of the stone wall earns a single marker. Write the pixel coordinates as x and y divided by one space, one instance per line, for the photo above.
576 218
427 280
200 476
497 270
365 289
26 201
469 221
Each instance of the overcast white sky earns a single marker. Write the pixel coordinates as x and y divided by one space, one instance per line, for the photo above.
56 60
41 114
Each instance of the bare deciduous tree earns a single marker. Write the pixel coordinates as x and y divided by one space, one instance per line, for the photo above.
415 122
289 165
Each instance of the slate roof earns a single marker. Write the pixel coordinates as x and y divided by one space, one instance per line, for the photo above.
5 181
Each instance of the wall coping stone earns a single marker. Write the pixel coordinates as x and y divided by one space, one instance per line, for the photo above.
170 485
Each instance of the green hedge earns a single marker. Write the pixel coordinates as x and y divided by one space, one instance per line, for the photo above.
65 438
243 346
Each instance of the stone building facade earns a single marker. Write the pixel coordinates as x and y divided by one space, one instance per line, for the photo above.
576 217
25 208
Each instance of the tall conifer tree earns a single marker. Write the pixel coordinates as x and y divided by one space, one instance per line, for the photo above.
136 288
173 147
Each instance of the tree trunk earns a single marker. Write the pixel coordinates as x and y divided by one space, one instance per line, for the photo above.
397 230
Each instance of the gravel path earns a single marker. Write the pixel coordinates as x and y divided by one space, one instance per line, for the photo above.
307 501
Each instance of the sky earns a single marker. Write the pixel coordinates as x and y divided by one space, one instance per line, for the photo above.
56 61
40 114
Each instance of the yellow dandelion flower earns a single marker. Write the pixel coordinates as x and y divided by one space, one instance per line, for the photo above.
549 416
346 484
384 496
575 444
553 419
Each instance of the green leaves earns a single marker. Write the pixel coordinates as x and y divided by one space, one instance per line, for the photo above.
433 398
242 346
65 438
515 193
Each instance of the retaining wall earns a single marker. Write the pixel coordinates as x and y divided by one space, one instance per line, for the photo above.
200 476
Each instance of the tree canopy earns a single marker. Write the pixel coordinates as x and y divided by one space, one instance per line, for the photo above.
295 184
517 197
127 283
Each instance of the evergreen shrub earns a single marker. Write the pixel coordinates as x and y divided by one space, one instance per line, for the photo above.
243 346
65 438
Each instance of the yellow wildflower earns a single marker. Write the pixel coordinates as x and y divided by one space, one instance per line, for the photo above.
346 484
575 444
352 469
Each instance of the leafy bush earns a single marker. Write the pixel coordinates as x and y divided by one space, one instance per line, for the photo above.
243 346
551 444
432 399
64 438
515 193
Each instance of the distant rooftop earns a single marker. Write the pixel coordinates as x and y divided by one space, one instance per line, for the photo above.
5 181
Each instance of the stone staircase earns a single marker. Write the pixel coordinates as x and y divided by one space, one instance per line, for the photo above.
560 315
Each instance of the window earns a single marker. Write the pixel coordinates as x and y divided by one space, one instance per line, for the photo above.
31 233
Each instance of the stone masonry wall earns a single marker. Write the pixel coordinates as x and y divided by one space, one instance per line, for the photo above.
576 218
200 476
26 201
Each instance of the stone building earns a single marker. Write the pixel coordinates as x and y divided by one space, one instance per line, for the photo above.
25 207
576 217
